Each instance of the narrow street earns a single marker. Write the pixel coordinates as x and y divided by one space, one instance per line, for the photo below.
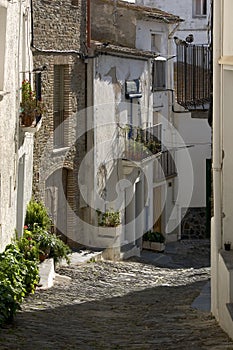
122 305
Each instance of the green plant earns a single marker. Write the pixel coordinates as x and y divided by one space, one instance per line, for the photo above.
154 237
50 244
28 246
36 213
59 250
109 218
29 103
18 278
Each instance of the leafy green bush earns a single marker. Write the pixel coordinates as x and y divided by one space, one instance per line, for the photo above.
154 237
18 278
36 213
50 244
28 246
109 218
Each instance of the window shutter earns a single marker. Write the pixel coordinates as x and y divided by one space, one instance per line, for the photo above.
159 75
58 106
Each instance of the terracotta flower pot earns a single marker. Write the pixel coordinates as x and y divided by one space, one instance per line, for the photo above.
27 120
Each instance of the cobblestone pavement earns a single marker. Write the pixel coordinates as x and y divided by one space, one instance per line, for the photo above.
119 305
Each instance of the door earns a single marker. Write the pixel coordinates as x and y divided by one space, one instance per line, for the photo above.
56 200
157 210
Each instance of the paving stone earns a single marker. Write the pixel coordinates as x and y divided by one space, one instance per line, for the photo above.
119 305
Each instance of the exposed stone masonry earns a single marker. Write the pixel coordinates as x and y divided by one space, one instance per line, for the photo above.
193 224
60 26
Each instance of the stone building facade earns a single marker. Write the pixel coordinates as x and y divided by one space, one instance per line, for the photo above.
59 45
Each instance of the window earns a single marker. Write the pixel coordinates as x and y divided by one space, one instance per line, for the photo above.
156 42
3 13
199 8
159 73
60 107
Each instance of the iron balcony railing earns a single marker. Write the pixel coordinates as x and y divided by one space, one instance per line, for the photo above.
140 144
193 76
165 167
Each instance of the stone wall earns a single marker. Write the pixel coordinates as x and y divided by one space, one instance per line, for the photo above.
193 224
59 24
59 34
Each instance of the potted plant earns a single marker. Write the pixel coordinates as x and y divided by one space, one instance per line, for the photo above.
109 218
31 107
154 241
37 227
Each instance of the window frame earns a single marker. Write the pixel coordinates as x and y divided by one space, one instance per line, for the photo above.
159 74
203 9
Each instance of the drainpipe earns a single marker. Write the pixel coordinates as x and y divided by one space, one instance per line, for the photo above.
88 23
216 229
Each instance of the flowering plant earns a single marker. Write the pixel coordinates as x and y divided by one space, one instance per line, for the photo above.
29 104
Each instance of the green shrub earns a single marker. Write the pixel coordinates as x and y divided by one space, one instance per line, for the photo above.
18 278
50 244
36 213
154 237
28 246
59 250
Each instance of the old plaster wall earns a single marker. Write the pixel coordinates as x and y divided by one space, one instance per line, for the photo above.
17 59
111 106
113 23
111 112
195 25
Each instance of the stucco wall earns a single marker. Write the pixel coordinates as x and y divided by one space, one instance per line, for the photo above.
113 23
195 25
13 143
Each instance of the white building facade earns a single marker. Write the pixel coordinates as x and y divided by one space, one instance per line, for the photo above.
16 154
221 228
189 216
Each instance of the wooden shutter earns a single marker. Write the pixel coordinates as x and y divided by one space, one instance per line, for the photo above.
58 106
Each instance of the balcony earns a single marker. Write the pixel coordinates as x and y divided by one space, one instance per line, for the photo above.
193 77
166 167
140 144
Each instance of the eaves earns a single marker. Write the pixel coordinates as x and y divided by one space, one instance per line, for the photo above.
122 51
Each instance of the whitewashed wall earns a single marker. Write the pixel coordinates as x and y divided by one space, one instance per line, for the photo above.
195 25
17 59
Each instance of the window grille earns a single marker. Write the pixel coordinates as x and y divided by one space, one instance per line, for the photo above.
193 76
